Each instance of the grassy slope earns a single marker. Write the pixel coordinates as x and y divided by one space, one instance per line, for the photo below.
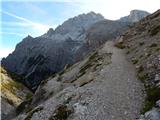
13 92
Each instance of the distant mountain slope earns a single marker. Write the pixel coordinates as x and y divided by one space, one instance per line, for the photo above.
105 30
12 93
36 58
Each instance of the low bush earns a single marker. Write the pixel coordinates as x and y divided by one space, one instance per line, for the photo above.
61 113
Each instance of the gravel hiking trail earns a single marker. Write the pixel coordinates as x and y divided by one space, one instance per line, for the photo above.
117 94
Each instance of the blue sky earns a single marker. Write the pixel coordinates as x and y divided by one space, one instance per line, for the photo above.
34 17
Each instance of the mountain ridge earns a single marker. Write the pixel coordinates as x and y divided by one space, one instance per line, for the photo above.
36 58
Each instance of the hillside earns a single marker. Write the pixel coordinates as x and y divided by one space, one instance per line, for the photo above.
93 88
142 45
12 93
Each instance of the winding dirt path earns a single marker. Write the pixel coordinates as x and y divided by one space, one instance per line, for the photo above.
117 94
114 94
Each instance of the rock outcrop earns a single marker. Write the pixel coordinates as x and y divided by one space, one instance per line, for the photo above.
135 16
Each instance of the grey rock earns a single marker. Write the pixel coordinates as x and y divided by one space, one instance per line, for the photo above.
157 77
96 34
135 16
158 103
153 114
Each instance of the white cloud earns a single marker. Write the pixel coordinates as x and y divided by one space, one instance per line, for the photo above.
12 33
110 9
38 0
10 23
37 26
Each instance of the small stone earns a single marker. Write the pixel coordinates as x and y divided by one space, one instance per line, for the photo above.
157 77
158 103
125 112
153 114
137 66
79 108
149 65
146 54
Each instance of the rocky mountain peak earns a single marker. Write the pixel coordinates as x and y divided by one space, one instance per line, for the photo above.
29 36
74 27
134 16
89 14
50 32
93 15
78 23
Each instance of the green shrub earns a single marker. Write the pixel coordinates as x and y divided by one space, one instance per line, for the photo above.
120 45
68 66
85 67
128 52
89 63
30 114
153 45
61 72
93 56
140 56
61 113
29 96
43 82
155 30
85 82
141 69
9 101
153 94
147 106
134 61
65 69
141 43
158 49
22 107
142 76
